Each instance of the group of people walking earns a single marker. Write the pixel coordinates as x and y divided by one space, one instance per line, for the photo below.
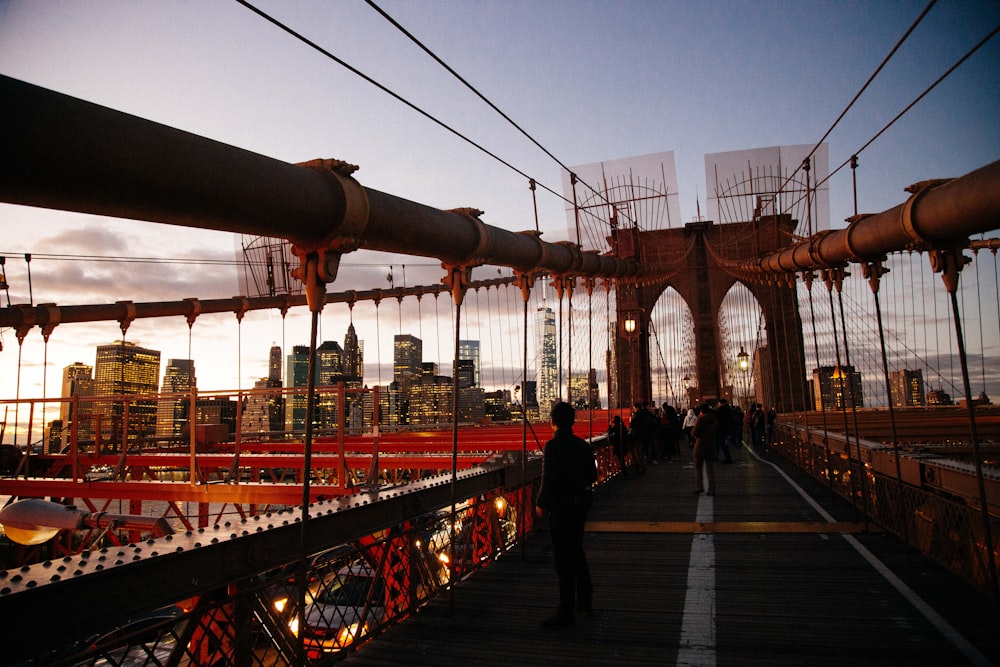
569 470
656 434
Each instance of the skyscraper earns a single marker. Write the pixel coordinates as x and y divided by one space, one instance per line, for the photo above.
77 382
296 375
172 411
469 350
407 358
274 365
545 353
354 358
124 368
834 387
906 387
584 390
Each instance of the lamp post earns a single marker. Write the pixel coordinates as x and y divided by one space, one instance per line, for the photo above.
33 521
630 329
743 362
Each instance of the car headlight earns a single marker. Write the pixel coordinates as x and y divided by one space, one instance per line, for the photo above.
350 632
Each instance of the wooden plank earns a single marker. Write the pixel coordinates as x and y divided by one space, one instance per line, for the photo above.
690 527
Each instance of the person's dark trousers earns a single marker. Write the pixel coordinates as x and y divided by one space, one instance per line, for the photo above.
575 586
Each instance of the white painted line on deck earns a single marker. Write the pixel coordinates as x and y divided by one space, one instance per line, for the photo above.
697 644
964 646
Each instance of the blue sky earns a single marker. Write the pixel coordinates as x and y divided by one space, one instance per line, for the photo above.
590 81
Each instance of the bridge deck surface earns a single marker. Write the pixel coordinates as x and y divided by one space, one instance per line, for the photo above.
782 594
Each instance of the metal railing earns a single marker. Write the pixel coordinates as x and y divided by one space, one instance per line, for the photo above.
932 505
272 590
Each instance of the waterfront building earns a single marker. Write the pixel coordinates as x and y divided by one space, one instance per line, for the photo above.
939 397
407 358
584 391
264 408
173 407
834 387
354 358
274 364
906 388
78 384
468 350
296 375
126 369
497 405
215 419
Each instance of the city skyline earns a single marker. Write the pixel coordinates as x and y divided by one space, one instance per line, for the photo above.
188 67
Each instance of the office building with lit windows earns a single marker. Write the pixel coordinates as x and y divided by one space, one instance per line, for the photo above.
906 387
77 383
834 388
545 356
407 358
172 411
126 369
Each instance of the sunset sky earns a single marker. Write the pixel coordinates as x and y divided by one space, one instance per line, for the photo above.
590 81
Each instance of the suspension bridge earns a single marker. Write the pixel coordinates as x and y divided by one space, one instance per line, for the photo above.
759 306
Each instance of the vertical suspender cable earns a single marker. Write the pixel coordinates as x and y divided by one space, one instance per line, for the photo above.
971 407
17 398
819 366
874 270
979 303
454 439
590 350
526 506
843 404
306 479
852 399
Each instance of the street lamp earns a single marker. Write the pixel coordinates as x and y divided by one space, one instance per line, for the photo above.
743 362
630 326
33 521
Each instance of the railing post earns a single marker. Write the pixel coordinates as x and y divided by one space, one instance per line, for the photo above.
341 436
193 436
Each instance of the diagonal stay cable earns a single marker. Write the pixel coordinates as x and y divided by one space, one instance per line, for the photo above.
391 93
468 85
907 108
857 95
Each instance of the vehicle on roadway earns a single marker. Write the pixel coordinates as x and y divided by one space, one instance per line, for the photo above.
347 607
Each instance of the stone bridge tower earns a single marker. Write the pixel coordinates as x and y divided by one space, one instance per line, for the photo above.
694 261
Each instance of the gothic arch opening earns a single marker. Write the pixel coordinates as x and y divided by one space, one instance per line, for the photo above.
742 344
671 350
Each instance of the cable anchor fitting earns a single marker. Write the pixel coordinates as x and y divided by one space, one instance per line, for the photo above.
873 270
457 279
948 262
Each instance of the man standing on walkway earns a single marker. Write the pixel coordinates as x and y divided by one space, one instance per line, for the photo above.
705 451
568 471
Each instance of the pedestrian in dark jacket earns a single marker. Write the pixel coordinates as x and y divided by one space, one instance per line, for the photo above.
568 471
617 437
705 451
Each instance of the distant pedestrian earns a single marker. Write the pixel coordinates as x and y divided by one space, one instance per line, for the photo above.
670 432
724 413
568 472
617 437
706 444
642 434
758 424
772 417
690 419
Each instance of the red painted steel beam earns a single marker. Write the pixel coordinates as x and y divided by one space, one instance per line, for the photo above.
64 153
936 216
23 317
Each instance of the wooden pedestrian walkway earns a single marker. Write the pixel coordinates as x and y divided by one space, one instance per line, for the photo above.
771 570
